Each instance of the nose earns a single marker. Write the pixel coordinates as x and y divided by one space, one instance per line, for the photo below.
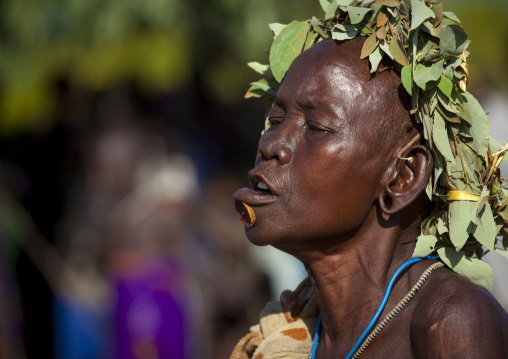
276 144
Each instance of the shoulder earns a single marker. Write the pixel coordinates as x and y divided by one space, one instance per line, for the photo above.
455 318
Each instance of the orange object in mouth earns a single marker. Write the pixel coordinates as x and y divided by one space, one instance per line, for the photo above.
245 213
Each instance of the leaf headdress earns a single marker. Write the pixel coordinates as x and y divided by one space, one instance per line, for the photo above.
428 48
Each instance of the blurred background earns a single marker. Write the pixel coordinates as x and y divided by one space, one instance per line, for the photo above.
123 134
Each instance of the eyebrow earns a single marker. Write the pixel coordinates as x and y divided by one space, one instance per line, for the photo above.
314 102
307 103
277 102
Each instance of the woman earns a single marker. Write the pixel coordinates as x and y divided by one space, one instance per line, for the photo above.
339 183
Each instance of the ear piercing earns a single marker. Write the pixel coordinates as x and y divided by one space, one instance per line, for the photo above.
245 213
413 141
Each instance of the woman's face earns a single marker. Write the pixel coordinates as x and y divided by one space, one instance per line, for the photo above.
318 168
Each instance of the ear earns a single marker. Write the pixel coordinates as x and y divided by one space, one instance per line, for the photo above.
410 175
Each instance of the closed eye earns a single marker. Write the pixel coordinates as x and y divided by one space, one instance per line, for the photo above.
275 121
316 127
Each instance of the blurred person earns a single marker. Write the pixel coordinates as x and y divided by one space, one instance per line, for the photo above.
150 263
127 244
83 307
11 317
235 284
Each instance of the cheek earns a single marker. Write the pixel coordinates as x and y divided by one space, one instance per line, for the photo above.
340 206
339 195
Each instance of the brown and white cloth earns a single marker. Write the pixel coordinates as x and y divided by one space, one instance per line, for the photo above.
286 327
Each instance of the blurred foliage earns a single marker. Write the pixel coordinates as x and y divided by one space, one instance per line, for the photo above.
487 27
164 45
95 44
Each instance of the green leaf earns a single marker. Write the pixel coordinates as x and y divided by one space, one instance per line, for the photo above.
429 52
428 28
427 124
276 28
264 85
486 230
260 68
316 24
369 45
419 13
309 41
440 137
398 52
451 15
429 189
331 10
324 4
469 162
414 44
445 85
476 270
376 9
344 2
260 88
375 58
386 48
441 226
407 78
483 228
461 213
453 40
356 14
438 167
425 74
365 31
456 170
261 84
480 127
389 3
254 93
425 245
449 106
344 32
267 126
452 65
287 46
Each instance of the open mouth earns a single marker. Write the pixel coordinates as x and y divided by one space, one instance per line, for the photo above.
261 187
261 192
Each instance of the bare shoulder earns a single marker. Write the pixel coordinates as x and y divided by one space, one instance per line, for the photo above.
455 318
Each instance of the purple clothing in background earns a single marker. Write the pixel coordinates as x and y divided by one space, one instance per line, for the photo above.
149 316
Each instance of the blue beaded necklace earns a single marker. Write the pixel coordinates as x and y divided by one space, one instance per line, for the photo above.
376 316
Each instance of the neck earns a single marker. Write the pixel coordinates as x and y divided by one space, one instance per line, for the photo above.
350 274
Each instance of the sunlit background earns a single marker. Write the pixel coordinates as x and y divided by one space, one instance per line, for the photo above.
123 134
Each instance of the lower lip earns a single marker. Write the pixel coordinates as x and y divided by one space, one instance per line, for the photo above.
253 198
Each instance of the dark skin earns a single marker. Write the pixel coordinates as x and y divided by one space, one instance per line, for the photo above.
341 201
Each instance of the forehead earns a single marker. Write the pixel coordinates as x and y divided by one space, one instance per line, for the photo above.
321 75
330 78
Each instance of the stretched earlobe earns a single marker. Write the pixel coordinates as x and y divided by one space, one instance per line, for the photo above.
411 174
385 203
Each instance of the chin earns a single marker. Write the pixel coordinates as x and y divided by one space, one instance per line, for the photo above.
260 236
255 237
